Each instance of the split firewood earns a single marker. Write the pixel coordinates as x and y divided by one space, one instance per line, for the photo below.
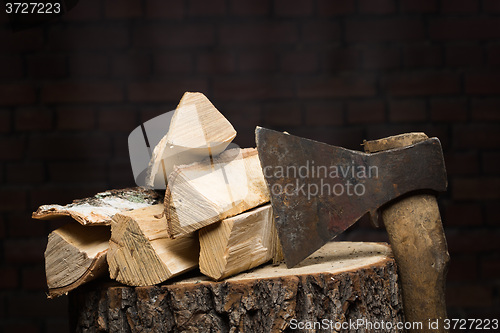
206 192
197 131
142 254
239 243
75 255
99 209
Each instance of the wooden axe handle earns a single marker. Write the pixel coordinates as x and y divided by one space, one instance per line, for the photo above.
417 238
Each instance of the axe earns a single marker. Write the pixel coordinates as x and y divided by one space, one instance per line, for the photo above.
317 191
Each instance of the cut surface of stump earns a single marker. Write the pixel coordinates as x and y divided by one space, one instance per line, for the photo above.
99 209
142 254
239 243
197 131
75 255
206 192
341 282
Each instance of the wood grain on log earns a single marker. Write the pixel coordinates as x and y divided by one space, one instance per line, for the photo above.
341 282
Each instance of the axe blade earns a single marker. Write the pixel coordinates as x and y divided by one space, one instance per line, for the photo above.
317 190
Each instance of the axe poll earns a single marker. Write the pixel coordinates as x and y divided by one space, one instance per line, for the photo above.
317 191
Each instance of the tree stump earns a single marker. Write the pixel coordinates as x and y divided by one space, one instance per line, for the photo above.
343 282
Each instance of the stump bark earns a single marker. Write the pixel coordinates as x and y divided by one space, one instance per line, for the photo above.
340 283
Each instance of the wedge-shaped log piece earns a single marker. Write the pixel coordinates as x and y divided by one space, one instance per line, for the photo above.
99 209
75 255
206 192
142 254
197 131
239 243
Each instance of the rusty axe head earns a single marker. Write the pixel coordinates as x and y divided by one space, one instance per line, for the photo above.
318 190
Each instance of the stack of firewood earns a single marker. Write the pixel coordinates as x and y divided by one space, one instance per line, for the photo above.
214 214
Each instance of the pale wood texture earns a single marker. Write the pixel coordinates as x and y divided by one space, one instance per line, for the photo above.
416 233
197 131
341 282
217 188
75 255
239 243
99 209
142 254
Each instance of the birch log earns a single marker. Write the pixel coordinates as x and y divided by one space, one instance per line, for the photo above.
142 254
75 255
197 131
203 193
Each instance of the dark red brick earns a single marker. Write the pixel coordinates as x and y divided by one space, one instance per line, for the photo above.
472 241
123 119
462 268
482 83
131 65
173 9
22 327
11 148
463 55
484 188
251 89
459 6
156 35
342 86
257 62
216 62
418 6
247 34
466 28
84 11
82 92
291 8
448 110
377 6
47 66
29 119
17 94
321 32
350 138
422 56
380 30
381 58
418 84
324 114
341 59
88 37
199 8
365 112
62 194
74 172
163 91
21 225
461 215
494 55
473 295
57 325
491 6
334 8
24 251
25 173
9 278
122 9
94 65
491 162
34 278
21 41
282 114
462 163
477 136
122 175
5 121
169 63
486 109
37 304
11 67
490 267
299 62
76 118
407 111
70 146
491 213
250 8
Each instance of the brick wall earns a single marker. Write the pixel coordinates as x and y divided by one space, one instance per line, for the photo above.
334 71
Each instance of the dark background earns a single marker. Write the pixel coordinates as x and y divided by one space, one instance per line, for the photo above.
335 71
